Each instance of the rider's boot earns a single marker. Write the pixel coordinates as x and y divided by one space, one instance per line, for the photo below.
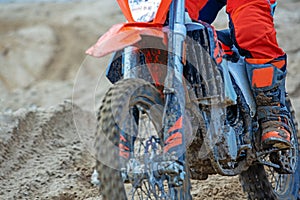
268 86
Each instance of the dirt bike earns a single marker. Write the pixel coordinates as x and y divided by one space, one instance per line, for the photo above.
179 109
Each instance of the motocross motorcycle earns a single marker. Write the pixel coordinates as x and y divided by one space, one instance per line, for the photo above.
180 109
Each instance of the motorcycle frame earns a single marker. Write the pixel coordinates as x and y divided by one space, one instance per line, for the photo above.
124 37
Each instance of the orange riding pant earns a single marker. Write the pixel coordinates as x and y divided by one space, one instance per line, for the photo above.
252 27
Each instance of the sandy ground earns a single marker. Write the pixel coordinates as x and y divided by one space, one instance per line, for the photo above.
45 146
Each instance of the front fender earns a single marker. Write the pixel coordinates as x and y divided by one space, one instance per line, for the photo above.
122 35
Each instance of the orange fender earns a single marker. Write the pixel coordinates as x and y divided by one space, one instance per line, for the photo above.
123 35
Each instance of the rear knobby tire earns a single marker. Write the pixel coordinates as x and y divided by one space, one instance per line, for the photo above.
257 185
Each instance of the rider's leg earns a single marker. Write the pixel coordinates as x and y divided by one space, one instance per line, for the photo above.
255 36
268 84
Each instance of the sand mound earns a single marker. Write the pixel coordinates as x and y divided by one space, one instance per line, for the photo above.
41 155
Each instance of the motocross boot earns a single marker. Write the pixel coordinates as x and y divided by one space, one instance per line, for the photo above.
268 86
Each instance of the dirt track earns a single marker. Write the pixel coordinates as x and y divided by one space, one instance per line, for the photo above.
42 46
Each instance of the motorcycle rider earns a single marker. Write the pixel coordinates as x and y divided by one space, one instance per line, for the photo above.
253 32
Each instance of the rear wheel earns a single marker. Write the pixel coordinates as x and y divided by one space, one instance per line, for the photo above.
130 160
263 182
